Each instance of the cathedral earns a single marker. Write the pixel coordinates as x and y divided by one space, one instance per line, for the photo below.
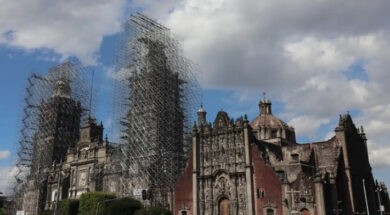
226 167
236 167
81 160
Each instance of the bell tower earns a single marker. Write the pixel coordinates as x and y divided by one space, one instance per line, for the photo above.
202 116
59 124
51 126
91 131
265 106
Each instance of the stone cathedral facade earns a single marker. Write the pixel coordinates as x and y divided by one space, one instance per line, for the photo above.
70 157
242 167
237 167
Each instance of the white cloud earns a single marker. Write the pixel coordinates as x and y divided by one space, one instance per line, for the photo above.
70 28
4 154
380 158
306 125
244 43
7 178
158 9
329 135
376 122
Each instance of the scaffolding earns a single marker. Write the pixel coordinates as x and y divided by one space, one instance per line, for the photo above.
54 105
155 96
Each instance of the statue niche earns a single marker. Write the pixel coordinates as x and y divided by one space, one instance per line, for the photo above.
222 186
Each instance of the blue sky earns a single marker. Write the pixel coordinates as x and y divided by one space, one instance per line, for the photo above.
313 66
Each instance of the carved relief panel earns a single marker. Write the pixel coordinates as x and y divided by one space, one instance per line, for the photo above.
82 179
222 152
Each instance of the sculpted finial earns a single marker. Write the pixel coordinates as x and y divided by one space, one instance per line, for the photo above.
62 89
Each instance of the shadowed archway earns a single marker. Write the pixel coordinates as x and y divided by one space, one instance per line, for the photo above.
224 207
305 211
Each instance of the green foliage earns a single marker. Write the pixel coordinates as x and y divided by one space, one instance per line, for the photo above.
125 206
2 211
153 211
89 202
46 212
150 211
142 211
159 211
68 207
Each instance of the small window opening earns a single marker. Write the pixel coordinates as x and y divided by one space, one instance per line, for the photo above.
280 174
260 193
274 134
295 157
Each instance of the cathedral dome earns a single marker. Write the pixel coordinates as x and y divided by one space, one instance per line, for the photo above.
268 127
268 120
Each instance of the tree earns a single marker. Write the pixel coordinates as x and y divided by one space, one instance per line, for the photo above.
69 207
159 211
124 206
91 201
2 211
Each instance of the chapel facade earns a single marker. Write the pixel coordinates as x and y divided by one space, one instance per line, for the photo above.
240 167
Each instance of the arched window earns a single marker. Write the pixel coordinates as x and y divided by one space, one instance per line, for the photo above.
274 134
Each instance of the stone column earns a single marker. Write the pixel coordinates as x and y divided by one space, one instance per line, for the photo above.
48 197
319 195
262 133
248 170
286 196
284 133
195 171
171 201
333 187
340 135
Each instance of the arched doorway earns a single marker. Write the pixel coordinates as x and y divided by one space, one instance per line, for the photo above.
224 207
304 211
270 212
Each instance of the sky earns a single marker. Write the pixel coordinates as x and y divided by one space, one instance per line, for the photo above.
314 59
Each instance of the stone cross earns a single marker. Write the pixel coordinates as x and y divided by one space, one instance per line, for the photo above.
292 192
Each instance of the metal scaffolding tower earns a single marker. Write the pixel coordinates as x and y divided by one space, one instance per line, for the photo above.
54 106
156 90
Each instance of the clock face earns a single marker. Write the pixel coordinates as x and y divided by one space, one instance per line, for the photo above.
82 179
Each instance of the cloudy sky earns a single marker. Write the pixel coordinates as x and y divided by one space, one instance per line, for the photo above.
315 59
